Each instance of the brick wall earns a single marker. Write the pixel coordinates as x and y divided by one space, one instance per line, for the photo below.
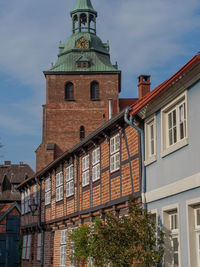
62 119
97 195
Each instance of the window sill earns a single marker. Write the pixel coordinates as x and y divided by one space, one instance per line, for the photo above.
150 160
60 201
175 147
70 197
113 171
96 99
70 100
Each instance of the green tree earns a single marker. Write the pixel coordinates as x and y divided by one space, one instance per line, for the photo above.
122 241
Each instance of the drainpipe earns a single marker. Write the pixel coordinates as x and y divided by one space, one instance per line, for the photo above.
39 220
129 121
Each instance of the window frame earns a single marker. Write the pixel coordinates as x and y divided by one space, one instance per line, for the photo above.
94 91
28 246
23 203
59 186
115 153
86 170
70 93
39 246
167 213
167 148
70 180
48 191
96 170
25 237
63 247
149 157
35 193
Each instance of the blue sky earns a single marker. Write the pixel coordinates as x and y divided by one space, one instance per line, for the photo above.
154 37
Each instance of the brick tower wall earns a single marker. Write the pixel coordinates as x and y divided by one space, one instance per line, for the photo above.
62 119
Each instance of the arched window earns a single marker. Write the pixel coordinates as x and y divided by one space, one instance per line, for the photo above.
82 132
94 91
69 91
83 21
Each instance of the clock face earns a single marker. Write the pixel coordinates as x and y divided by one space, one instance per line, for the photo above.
82 43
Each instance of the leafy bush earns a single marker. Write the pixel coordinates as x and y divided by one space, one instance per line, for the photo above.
119 241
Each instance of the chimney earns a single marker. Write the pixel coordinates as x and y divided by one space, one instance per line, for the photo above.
7 162
143 85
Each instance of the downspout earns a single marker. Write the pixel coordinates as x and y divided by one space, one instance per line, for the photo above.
39 220
129 121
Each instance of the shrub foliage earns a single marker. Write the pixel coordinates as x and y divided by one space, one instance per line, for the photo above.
119 241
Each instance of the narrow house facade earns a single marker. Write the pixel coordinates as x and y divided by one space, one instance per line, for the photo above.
170 115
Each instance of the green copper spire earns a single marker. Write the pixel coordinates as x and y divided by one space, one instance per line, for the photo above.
83 5
83 50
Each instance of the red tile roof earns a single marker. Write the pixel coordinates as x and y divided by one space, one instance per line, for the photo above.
4 208
161 88
126 102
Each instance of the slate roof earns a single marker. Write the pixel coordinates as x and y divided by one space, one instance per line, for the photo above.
15 172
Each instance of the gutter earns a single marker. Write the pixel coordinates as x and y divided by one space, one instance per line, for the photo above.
129 120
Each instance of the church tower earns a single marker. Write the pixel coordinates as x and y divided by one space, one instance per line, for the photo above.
80 87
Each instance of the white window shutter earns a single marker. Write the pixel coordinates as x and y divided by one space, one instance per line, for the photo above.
112 163
71 172
61 177
87 161
98 154
111 145
57 194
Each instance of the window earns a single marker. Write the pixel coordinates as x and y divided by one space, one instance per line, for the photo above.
197 229
39 246
14 187
22 203
82 132
174 125
27 200
13 224
48 191
94 91
35 193
69 91
63 246
171 223
70 180
85 171
114 153
174 221
26 247
59 186
96 164
150 140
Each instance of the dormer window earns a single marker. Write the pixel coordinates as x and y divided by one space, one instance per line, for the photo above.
82 62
